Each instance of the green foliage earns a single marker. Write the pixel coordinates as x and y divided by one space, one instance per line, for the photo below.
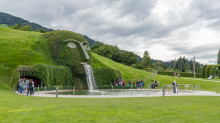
96 45
105 76
50 75
26 28
128 58
43 31
4 25
182 74
139 66
203 71
64 55
116 87
207 69
114 53
18 26
212 70
218 59
146 62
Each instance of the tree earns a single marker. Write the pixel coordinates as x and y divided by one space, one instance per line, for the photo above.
146 62
26 28
96 45
218 59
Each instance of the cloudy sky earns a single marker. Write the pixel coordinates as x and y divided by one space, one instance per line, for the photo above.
166 28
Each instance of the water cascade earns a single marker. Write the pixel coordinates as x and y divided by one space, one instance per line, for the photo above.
89 76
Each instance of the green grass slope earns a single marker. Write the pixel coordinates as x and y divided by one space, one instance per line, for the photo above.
22 48
128 73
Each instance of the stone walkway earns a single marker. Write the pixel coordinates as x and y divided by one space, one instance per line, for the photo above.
200 93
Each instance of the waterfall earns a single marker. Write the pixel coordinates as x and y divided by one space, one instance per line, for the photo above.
89 76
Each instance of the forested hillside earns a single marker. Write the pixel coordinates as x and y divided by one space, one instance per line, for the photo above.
11 20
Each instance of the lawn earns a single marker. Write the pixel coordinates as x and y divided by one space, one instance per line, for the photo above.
16 108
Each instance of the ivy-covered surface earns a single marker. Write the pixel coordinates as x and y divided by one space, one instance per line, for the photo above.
105 76
203 71
70 57
65 55
207 69
49 75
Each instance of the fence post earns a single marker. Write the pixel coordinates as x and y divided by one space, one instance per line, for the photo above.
45 89
163 91
217 88
92 91
14 88
199 87
148 90
38 89
57 91
112 89
196 87
131 89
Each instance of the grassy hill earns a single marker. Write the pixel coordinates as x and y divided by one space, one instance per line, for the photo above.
22 48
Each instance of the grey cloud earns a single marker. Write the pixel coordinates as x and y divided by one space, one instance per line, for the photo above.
126 22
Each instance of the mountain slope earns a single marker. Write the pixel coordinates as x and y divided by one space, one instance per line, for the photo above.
11 20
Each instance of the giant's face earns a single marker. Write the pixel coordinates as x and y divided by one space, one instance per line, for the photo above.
69 49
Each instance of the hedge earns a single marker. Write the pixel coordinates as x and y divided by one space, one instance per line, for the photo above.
212 70
182 74
203 71
207 69
105 76
50 75
116 87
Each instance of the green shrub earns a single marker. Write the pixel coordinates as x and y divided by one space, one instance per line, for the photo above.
182 74
139 66
212 70
105 76
116 87
203 71
207 69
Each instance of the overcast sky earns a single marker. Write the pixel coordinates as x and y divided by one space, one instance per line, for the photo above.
165 28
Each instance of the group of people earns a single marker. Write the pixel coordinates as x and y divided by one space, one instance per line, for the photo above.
155 83
176 74
25 86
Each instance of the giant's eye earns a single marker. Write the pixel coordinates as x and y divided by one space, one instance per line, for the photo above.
71 45
87 47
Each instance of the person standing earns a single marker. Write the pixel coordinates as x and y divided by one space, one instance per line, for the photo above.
21 86
175 87
129 83
32 86
29 88
123 82
154 84
134 83
18 85
141 84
